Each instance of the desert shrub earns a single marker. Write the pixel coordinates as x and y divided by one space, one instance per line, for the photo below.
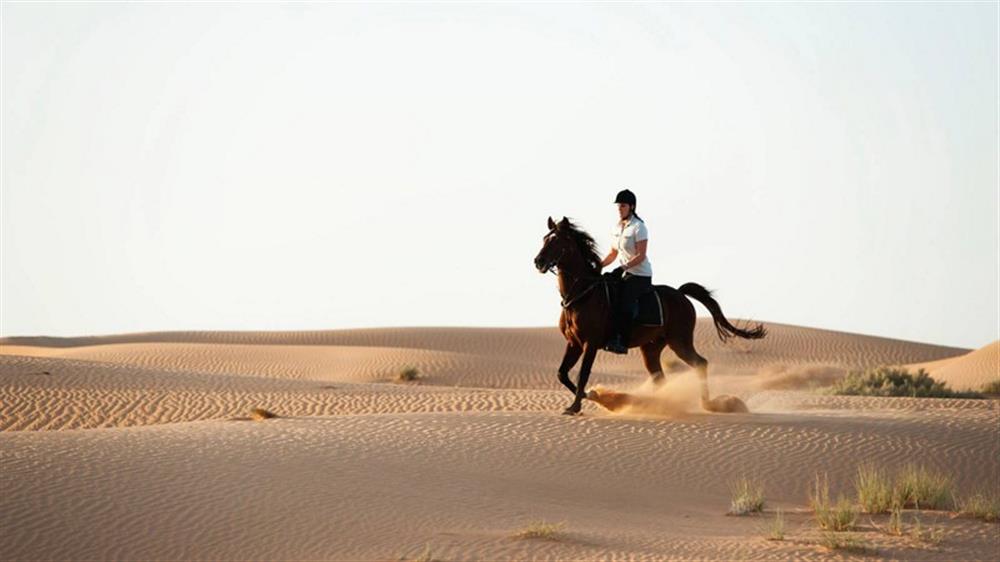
747 496
839 516
983 505
992 387
891 381
923 488
408 374
874 488
539 530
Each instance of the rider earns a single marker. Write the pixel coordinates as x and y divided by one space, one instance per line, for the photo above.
629 246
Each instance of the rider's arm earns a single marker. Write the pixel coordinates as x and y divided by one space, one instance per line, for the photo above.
610 257
640 254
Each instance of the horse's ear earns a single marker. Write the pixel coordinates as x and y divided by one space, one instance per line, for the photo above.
552 224
564 223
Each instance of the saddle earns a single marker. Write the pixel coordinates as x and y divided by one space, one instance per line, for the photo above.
647 309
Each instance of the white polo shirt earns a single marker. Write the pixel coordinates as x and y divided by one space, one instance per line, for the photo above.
624 239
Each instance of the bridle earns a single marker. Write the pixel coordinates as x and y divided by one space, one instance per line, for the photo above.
568 302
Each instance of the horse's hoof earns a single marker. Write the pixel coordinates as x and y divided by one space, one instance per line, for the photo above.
571 411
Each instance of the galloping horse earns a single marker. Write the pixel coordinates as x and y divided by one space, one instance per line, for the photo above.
586 317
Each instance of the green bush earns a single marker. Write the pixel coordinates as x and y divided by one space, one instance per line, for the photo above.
891 381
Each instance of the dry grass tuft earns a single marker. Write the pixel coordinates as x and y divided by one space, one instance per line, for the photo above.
874 489
408 374
923 488
539 530
747 496
895 526
983 505
840 516
425 555
260 414
775 529
846 542
931 535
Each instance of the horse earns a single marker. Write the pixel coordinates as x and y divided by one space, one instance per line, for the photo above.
585 320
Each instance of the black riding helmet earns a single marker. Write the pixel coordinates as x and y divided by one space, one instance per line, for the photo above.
625 196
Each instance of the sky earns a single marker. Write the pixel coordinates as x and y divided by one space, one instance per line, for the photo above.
310 166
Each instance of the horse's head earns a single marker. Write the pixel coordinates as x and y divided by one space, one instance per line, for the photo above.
556 244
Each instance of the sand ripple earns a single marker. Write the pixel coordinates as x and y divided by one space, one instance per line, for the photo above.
127 447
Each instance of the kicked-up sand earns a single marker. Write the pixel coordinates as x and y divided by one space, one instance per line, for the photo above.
144 447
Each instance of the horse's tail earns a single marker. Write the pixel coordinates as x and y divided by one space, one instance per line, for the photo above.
722 326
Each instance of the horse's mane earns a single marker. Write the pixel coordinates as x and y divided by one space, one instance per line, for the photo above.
585 243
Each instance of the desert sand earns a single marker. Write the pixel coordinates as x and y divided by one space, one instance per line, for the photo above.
138 447
966 372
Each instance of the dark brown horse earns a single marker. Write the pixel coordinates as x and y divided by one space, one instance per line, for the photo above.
586 315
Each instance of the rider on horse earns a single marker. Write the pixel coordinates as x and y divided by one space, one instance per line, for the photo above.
630 239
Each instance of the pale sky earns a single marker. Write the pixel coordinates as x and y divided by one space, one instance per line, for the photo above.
176 166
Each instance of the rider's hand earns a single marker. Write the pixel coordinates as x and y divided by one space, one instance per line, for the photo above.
618 271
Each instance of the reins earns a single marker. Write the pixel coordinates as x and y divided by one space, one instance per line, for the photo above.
566 303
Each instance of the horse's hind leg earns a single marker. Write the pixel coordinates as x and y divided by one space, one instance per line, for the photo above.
685 350
651 358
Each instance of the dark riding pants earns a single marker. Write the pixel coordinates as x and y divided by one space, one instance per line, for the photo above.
631 287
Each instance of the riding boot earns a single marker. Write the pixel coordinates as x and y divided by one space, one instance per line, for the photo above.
616 345
626 334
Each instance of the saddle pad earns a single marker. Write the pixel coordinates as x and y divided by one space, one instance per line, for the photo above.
650 309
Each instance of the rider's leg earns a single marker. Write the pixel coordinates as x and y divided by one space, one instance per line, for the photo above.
635 286
622 315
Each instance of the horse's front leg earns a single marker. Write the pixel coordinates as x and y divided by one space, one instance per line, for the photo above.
589 353
570 357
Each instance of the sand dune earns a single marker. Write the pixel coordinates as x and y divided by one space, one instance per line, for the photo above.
518 357
90 394
966 372
128 447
